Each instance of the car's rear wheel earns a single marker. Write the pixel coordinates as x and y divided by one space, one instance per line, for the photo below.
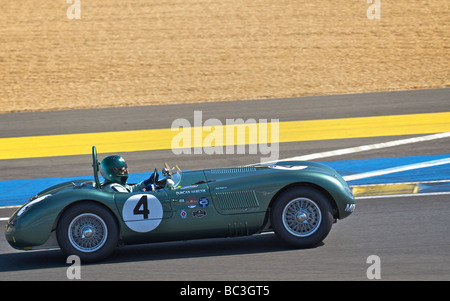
302 217
87 230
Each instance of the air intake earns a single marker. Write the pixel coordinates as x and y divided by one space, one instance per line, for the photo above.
232 170
240 200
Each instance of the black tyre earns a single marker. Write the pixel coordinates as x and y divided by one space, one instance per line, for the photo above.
87 230
302 217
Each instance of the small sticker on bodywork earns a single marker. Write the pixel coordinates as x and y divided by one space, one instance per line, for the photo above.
199 213
191 202
221 187
190 191
203 202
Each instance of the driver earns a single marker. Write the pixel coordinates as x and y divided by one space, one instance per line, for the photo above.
114 170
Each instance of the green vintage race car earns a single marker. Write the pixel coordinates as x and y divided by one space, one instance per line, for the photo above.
299 201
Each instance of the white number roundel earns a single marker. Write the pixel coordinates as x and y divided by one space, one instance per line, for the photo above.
142 212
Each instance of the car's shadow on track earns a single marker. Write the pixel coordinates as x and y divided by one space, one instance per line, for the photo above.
31 260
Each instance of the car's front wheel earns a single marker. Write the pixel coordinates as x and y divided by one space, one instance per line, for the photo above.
87 230
302 217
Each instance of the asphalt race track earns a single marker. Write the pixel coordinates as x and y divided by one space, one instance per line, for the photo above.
408 231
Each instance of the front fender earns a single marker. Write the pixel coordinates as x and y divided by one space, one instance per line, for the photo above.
331 182
34 226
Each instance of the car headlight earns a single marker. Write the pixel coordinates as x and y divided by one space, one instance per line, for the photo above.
29 204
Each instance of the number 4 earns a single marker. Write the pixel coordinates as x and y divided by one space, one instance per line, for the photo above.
144 204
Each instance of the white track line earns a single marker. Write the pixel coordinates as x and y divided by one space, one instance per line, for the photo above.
7 207
364 148
396 169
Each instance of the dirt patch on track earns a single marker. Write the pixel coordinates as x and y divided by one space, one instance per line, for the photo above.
135 52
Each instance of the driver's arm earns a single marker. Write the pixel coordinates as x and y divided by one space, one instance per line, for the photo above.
136 187
141 185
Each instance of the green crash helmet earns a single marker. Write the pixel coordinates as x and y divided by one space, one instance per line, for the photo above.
114 169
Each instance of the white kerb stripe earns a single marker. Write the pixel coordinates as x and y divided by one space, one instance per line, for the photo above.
397 169
364 148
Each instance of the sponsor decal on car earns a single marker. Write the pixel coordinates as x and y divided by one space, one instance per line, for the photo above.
203 202
189 187
191 202
199 213
190 191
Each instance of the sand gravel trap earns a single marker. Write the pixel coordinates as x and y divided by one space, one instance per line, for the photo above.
136 52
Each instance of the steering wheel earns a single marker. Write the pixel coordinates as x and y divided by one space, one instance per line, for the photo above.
152 186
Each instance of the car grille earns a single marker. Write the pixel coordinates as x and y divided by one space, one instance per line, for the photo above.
232 170
240 200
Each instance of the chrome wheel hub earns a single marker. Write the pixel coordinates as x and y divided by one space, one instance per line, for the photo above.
87 233
301 217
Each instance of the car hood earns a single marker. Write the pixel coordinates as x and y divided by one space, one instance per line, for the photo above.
69 185
290 166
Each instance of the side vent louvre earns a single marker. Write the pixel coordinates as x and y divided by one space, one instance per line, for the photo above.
232 170
239 200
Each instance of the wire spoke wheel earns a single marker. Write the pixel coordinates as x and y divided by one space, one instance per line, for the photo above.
87 232
301 217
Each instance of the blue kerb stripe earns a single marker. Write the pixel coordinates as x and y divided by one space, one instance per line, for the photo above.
17 192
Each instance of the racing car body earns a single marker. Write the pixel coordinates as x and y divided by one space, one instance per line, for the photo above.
299 201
